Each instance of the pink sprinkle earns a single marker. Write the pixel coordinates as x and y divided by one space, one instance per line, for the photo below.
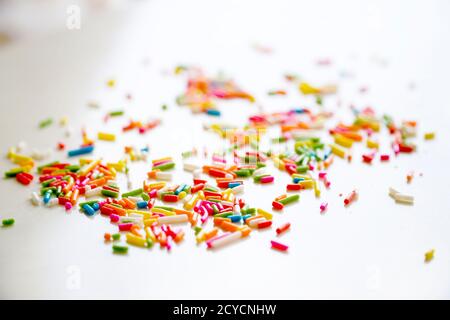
322 175
68 205
153 193
161 162
114 217
267 179
219 159
169 243
323 207
278 246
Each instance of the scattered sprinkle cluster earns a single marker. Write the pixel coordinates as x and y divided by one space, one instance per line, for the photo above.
212 202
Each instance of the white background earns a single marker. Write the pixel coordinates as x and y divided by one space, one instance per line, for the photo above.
373 249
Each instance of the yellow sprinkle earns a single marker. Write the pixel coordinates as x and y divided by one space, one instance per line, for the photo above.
265 214
182 194
20 159
307 184
191 203
343 141
372 144
278 163
106 136
135 240
200 237
89 167
316 189
429 255
119 166
149 222
156 185
63 121
111 83
84 161
429 135
149 233
337 150
306 88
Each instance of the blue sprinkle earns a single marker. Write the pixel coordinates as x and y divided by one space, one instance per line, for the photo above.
297 180
142 204
77 152
47 196
96 206
213 112
180 188
235 218
233 184
88 210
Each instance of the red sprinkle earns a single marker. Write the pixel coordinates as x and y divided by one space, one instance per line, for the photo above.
125 226
367 158
283 228
277 205
278 246
24 178
293 187
264 224
170 198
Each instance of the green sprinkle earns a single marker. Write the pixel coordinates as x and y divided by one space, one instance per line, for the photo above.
302 169
164 207
116 236
109 193
149 243
73 168
164 166
289 199
260 165
187 154
251 211
243 173
116 113
8 222
133 193
120 249
45 123
319 100
197 230
258 178
223 215
46 183
12 173
51 189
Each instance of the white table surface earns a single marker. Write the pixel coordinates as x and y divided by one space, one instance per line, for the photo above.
373 249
